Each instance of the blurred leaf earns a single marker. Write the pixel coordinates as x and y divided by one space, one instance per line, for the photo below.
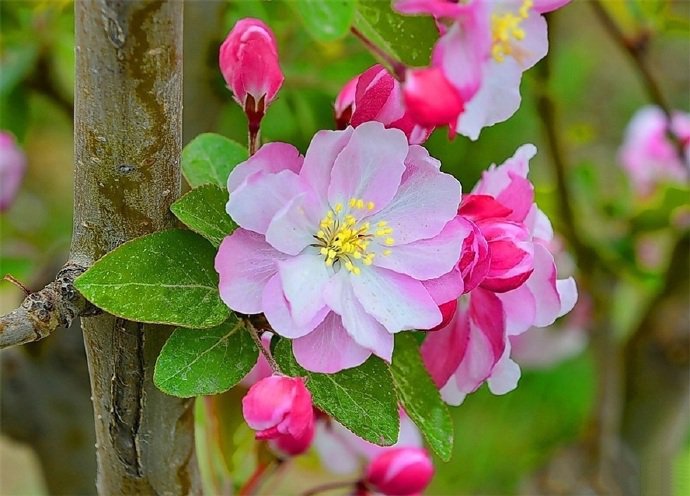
657 213
325 20
162 278
17 63
409 39
194 362
226 409
209 158
420 397
362 398
14 112
203 211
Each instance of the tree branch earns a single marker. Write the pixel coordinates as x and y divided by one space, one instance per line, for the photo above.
43 312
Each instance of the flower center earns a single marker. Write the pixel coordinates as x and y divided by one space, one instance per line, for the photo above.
505 29
343 237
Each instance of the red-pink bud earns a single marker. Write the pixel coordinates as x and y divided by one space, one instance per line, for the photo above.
279 408
248 59
345 103
12 168
430 98
400 472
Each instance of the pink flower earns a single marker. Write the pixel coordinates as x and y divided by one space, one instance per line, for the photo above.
485 47
378 97
336 248
12 169
518 290
649 155
248 59
342 452
279 408
400 472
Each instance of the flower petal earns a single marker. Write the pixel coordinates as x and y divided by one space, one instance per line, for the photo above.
397 301
361 326
304 278
425 202
443 350
329 348
324 148
245 263
270 158
427 258
292 228
261 196
370 166
277 311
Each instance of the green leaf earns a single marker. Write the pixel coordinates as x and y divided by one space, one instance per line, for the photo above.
209 158
325 20
203 211
162 278
196 362
420 397
409 39
362 398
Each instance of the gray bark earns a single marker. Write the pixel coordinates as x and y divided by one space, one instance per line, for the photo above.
128 134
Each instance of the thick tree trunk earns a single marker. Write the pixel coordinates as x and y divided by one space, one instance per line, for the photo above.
128 134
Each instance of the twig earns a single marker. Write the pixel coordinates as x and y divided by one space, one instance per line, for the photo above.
398 69
257 340
636 50
44 311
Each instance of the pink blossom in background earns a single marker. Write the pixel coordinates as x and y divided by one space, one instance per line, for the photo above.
648 154
377 96
345 247
248 60
12 169
342 452
400 472
484 48
280 409
513 276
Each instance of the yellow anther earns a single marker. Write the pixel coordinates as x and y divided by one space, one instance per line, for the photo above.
358 255
371 205
382 223
338 208
389 241
352 202
348 266
360 203
387 252
324 251
356 270
331 253
321 234
329 262
506 29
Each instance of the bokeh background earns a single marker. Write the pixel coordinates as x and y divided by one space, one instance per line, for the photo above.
526 442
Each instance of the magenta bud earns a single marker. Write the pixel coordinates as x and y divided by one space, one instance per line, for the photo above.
248 59
430 98
345 103
400 472
280 409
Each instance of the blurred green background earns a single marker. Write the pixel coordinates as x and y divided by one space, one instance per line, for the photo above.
500 441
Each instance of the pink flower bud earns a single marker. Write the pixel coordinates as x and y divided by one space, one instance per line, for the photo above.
400 472
248 60
12 168
430 98
345 104
279 408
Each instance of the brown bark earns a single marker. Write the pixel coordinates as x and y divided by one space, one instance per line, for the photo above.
128 134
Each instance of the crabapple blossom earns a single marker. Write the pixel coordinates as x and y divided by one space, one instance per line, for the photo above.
342 452
377 96
484 48
514 284
279 409
248 60
12 169
344 247
400 472
430 99
648 154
